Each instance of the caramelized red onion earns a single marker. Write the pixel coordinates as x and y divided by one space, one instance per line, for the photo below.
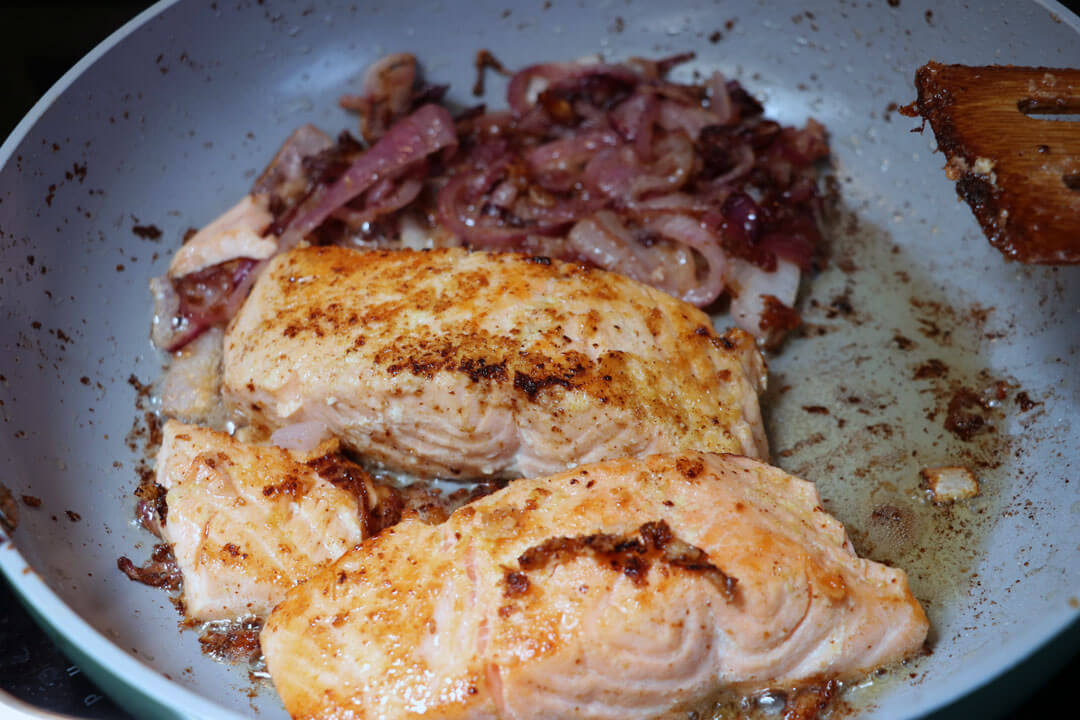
388 87
692 233
392 89
285 177
385 197
408 142
562 82
683 186
186 307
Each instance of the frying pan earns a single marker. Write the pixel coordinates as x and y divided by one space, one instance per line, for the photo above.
167 122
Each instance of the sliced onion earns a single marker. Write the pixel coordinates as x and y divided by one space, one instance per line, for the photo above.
635 118
526 85
554 213
391 78
690 231
557 165
605 242
720 100
656 69
792 245
285 176
744 163
691 119
396 197
200 300
671 202
458 214
504 194
409 141
388 90
617 173
807 145
611 164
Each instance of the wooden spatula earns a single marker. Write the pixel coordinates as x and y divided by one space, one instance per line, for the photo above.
1019 173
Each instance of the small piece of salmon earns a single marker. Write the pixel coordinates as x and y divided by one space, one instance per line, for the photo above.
467 365
235 234
247 522
632 588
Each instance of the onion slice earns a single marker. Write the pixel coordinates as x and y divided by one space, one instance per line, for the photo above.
690 231
408 141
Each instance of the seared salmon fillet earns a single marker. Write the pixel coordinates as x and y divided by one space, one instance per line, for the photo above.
471 364
632 588
247 522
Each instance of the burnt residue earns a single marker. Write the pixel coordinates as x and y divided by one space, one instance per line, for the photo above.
932 368
484 61
151 510
630 555
1024 401
235 641
840 306
389 508
379 501
147 232
810 701
161 571
892 377
778 318
423 501
903 342
967 414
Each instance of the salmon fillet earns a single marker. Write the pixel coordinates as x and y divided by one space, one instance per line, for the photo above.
466 365
633 588
248 522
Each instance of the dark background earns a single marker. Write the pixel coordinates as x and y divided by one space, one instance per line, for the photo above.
40 41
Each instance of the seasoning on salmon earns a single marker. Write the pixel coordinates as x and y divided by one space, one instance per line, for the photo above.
247 522
470 365
625 589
